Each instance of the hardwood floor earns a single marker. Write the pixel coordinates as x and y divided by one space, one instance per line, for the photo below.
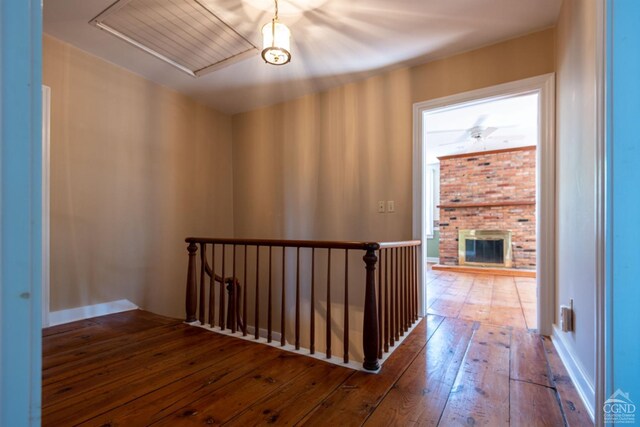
137 368
491 299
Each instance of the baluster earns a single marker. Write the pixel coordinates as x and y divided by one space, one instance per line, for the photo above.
370 323
380 327
312 320
269 309
408 286
257 300
234 295
345 338
221 314
298 298
191 296
401 291
414 284
237 293
212 287
407 252
244 295
201 300
405 294
417 261
283 306
387 306
397 298
392 301
329 304
411 294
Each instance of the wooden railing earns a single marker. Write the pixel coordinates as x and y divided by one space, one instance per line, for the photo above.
390 300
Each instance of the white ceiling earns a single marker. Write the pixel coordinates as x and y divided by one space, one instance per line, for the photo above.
333 41
514 119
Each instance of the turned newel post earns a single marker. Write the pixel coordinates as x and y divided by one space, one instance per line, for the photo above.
192 296
370 325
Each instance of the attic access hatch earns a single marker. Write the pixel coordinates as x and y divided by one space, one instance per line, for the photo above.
183 33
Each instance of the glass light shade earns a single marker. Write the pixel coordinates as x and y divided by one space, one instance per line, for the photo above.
276 43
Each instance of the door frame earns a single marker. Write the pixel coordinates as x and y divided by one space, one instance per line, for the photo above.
544 85
21 212
46 172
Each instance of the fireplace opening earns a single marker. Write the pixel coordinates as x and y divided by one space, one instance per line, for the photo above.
487 248
491 251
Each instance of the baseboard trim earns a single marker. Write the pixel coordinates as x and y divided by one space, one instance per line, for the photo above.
496 271
89 311
434 260
352 364
580 380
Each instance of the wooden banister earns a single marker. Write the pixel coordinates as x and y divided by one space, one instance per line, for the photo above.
370 328
321 244
390 294
191 299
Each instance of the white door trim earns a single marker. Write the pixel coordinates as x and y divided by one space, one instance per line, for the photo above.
20 211
544 85
601 194
46 120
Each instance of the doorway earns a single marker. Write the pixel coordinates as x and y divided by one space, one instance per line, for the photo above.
483 203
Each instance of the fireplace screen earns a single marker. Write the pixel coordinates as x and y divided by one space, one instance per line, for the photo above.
484 248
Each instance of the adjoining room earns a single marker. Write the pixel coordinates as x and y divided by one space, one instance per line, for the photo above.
481 210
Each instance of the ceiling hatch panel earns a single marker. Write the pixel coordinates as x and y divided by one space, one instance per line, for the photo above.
183 33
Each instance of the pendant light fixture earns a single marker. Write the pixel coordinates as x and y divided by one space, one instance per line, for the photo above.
276 41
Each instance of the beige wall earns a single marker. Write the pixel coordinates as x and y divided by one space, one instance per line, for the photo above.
135 168
316 166
132 170
576 160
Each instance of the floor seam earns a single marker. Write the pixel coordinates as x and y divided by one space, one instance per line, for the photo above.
526 323
474 329
404 370
322 401
552 379
533 383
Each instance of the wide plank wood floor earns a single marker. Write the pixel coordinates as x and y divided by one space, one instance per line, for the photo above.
496 300
137 369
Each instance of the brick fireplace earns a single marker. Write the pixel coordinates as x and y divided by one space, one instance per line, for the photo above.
489 192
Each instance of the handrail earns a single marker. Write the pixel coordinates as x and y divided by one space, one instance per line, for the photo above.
400 244
320 244
389 310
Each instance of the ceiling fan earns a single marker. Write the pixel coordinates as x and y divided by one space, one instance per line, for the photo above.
479 133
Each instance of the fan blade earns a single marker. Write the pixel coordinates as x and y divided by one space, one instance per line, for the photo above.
480 120
507 137
488 131
446 131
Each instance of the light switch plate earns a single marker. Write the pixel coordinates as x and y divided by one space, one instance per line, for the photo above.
391 206
381 206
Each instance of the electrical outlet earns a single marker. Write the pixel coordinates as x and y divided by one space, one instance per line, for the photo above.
566 317
381 206
391 206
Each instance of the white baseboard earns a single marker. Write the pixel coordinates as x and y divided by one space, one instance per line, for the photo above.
287 347
434 260
88 311
580 380
275 336
352 364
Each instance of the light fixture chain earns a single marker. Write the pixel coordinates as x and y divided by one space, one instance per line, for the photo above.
276 9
